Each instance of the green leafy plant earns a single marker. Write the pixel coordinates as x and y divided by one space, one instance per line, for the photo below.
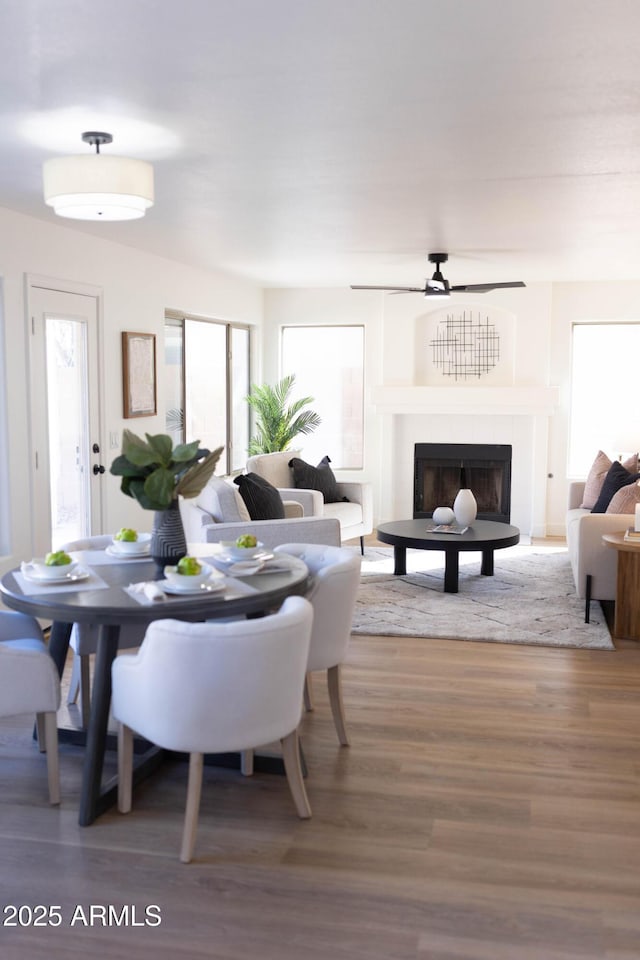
155 472
278 420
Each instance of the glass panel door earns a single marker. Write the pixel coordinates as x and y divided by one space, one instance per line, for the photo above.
67 468
67 409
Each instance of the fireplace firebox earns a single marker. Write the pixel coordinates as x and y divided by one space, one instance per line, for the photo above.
440 469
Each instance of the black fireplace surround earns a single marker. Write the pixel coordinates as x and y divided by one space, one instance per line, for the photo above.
440 469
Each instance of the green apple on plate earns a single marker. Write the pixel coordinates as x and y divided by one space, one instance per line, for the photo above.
189 573
127 535
129 541
56 565
189 566
57 558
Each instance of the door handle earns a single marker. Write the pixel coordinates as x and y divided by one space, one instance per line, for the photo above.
98 468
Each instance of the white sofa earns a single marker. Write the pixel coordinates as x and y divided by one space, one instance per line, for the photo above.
594 564
219 513
355 514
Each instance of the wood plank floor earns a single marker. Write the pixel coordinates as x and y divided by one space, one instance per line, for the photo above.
488 809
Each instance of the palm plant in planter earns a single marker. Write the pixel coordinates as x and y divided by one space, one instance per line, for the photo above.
279 421
155 473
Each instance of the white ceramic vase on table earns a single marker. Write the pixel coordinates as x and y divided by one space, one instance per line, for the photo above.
465 507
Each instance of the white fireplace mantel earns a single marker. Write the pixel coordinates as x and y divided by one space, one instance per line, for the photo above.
508 401
513 414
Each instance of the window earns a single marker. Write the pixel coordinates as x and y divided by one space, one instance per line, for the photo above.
174 379
603 402
328 363
206 382
5 508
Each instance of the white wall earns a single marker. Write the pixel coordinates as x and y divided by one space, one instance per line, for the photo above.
136 289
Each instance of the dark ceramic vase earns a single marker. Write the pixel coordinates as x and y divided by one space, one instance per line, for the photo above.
168 542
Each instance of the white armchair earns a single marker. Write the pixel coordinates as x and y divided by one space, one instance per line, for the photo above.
219 513
29 683
355 514
215 687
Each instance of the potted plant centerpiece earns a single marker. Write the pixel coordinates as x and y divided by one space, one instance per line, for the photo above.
155 473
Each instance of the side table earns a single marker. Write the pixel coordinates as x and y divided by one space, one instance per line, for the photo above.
627 615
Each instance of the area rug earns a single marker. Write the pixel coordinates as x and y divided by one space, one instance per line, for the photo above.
531 599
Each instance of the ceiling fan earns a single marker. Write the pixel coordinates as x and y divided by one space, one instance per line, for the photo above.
439 287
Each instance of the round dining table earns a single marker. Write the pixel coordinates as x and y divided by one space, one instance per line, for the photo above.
102 595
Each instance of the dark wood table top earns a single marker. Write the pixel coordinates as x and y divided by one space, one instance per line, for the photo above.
111 604
481 535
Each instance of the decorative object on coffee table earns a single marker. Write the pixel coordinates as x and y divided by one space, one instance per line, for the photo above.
443 515
465 507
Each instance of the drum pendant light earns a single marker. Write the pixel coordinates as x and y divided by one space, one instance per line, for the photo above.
98 187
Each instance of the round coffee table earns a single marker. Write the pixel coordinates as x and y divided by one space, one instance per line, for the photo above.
484 536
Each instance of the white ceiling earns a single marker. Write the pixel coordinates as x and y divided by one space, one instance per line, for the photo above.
329 142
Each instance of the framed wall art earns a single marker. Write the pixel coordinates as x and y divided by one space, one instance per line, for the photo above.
139 374
456 347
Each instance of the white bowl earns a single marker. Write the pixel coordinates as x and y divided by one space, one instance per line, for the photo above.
241 553
52 572
141 545
189 580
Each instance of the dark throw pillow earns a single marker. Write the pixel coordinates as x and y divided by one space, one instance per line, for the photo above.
616 478
261 498
322 478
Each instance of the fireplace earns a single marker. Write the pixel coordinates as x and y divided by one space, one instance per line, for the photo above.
486 469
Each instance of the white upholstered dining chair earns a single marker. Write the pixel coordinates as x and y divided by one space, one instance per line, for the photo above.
336 577
84 637
29 683
215 687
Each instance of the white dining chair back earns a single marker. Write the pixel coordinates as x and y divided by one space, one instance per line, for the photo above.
29 683
336 577
215 687
84 637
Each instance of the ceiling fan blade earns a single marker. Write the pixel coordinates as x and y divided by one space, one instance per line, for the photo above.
393 289
484 287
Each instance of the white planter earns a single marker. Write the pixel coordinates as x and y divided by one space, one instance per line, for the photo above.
465 507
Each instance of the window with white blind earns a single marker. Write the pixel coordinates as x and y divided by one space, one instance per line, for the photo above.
603 413
328 363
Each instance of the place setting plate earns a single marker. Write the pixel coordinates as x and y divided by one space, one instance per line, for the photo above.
113 551
241 561
177 590
75 575
207 580
130 549
231 553
264 563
